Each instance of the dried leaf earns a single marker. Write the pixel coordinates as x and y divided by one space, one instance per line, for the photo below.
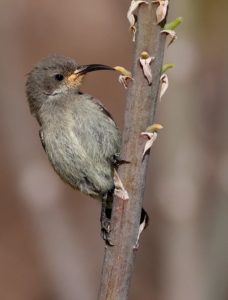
145 61
173 24
124 77
164 81
119 191
172 35
161 11
131 17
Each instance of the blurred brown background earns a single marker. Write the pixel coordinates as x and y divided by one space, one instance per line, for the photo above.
49 234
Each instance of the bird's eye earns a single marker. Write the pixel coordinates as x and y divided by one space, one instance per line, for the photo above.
59 77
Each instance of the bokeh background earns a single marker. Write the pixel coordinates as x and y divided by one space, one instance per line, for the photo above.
50 246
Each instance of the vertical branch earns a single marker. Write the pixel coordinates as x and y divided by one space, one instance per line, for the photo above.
139 114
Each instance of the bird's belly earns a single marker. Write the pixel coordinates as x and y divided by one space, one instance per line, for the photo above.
76 165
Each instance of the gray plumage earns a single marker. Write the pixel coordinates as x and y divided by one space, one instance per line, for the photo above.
78 134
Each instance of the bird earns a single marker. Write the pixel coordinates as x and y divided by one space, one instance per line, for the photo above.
77 132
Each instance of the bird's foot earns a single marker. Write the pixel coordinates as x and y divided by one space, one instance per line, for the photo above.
117 161
106 223
106 230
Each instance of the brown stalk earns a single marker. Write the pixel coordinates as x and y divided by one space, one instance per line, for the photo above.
140 111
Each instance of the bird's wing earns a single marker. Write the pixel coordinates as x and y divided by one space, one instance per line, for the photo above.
98 139
103 109
95 127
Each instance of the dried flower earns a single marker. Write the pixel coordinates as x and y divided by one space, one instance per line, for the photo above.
124 77
145 61
131 17
151 133
161 11
172 34
164 84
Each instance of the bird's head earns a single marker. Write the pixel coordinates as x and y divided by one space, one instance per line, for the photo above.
56 75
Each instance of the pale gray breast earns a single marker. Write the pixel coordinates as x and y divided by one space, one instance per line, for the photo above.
80 141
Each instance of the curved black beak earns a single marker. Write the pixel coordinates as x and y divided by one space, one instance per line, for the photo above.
93 67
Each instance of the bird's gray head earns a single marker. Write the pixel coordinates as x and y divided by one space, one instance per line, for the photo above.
53 76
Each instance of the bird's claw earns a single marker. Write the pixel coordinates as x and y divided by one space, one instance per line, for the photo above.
106 230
